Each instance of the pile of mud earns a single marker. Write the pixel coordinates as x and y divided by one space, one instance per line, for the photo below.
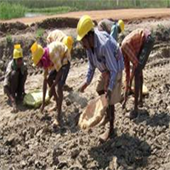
18 27
28 140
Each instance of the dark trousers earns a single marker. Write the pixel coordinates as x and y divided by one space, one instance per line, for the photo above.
145 51
17 83
53 74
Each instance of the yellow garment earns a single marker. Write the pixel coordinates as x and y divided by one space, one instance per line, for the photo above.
59 54
17 53
56 35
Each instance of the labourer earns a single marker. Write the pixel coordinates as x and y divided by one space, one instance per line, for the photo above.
15 77
55 60
55 35
104 54
111 27
136 48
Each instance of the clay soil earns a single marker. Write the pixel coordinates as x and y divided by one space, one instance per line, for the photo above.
28 140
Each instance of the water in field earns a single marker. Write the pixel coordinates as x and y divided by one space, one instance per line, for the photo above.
29 14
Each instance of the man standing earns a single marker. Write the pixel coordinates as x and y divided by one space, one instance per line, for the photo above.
55 60
104 54
136 48
111 27
15 77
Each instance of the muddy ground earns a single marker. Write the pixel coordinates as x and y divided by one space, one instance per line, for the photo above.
28 140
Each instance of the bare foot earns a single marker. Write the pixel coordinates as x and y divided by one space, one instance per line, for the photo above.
54 108
104 121
14 110
106 135
56 123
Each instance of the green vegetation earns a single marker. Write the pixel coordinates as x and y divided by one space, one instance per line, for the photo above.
12 9
92 4
160 26
39 33
9 11
52 10
8 38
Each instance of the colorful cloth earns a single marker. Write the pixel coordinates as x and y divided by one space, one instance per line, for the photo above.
56 35
59 56
106 57
131 47
45 59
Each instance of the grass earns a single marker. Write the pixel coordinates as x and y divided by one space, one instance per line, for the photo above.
9 11
52 10
40 32
92 4
8 38
18 8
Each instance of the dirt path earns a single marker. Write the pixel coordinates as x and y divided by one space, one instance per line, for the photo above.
126 14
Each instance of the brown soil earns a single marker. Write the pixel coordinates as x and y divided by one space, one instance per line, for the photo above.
28 140
126 14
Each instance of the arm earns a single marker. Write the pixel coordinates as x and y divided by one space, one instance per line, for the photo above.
127 71
90 74
44 90
6 86
6 90
127 80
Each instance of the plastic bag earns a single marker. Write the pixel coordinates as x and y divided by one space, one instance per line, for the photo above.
93 113
34 99
144 89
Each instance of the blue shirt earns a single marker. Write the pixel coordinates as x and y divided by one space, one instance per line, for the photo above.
106 57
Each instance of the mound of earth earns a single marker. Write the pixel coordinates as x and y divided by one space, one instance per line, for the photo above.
28 140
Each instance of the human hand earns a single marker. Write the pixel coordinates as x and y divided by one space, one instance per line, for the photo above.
108 95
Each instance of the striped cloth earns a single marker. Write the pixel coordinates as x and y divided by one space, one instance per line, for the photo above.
131 47
106 57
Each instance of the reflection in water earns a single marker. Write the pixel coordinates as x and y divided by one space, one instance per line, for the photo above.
33 14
